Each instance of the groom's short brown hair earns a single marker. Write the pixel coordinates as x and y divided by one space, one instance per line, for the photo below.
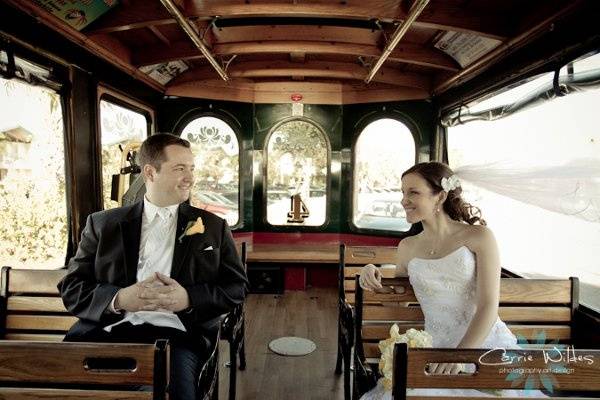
152 150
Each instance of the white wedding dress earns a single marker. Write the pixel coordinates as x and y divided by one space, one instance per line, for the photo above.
445 288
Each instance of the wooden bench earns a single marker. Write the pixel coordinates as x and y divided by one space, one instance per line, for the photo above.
51 370
492 371
530 307
31 310
351 260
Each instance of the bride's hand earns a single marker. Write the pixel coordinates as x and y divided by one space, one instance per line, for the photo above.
445 368
370 277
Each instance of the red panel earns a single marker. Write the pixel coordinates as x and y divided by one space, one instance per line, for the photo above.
307 238
295 278
322 277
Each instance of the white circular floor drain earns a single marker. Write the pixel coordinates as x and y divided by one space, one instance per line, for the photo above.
292 346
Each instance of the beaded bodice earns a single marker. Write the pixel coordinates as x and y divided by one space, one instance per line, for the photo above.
446 290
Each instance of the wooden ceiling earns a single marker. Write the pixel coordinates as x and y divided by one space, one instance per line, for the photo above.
321 49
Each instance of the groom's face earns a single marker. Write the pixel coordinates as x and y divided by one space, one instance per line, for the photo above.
173 182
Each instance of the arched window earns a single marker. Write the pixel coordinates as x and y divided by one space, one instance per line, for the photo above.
122 123
217 157
297 163
384 149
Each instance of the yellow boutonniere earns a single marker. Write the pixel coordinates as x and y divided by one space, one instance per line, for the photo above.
192 228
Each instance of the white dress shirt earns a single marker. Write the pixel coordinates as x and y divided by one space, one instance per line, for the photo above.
157 244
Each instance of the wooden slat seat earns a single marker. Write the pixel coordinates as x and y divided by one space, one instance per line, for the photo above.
31 306
531 308
410 370
51 370
352 259
32 315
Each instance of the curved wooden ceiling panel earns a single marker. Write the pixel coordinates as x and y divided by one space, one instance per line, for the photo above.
322 46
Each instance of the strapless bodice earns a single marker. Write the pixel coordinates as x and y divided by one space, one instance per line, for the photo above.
446 290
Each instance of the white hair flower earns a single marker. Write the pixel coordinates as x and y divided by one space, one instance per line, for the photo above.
450 183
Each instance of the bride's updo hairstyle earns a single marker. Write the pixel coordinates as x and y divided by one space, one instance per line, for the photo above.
454 206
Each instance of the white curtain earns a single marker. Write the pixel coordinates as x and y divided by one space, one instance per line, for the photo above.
570 189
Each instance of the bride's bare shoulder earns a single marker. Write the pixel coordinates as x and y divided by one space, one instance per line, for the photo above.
406 248
478 236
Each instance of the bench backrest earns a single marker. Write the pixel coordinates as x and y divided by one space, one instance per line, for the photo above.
530 307
493 371
61 370
30 305
353 258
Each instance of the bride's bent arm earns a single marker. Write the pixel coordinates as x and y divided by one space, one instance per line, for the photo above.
483 244
402 258
370 275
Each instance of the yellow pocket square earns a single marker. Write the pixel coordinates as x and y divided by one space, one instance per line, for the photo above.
192 228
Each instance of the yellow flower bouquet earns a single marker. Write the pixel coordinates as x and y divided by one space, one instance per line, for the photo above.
412 337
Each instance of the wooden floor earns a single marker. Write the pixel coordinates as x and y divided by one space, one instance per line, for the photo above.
311 314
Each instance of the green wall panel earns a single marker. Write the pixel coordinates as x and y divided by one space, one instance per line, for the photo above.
342 124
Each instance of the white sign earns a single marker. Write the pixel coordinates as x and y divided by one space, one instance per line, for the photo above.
163 73
465 48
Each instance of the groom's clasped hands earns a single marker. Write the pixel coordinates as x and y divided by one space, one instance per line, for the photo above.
156 293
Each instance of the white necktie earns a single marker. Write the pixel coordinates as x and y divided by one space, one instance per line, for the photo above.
156 241
163 223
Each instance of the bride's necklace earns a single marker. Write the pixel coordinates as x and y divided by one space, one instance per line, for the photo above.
434 248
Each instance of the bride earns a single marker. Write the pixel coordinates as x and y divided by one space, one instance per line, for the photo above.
454 268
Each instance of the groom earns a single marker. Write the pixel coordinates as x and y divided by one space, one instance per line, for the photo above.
159 268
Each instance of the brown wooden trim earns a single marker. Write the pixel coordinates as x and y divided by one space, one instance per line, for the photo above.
64 362
535 314
82 40
584 377
142 15
535 291
40 304
444 18
407 296
114 46
392 313
36 337
362 255
247 91
382 331
39 322
416 8
70 394
551 332
505 48
159 35
311 69
529 332
409 53
35 281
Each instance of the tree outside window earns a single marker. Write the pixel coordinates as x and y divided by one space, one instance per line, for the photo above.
33 213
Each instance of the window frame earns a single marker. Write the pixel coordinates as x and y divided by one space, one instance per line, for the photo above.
235 126
116 97
264 170
359 129
58 72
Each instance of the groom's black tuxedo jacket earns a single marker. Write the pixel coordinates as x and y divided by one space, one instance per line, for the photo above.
107 258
